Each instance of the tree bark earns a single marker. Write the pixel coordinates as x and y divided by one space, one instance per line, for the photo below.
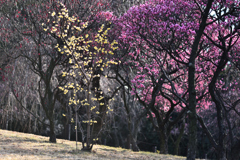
132 126
219 106
52 135
163 142
115 138
179 137
191 154
102 108
134 139
235 154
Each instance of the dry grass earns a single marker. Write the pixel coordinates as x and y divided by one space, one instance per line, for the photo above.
15 145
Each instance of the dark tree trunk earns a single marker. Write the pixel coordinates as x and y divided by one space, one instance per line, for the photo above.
163 142
52 135
66 131
177 142
115 138
132 126
192 131
219 106
235 153
129 143
132 143
134 140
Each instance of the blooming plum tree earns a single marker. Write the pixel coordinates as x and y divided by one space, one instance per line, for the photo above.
152 35
176 65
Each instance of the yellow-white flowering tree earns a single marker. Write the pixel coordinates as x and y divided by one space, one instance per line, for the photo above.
89 55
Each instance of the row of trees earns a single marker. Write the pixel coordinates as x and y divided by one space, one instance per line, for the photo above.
169 68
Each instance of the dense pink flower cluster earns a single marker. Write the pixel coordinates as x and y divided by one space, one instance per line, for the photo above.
158 36
151 31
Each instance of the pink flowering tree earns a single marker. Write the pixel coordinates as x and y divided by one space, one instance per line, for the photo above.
178 58
156 39
222 36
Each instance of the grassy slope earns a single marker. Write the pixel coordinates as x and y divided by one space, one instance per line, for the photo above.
15 145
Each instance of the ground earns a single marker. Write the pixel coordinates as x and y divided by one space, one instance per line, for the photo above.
15 145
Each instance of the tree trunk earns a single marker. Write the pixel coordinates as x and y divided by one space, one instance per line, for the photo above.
192 131
102 108
35 122
88 124
68 123
163 142
7 120
89 138
52 135
134 144
235 154
115 138
129 143
222 155
215 95
132 126
69 131
191 85
179 137
134 139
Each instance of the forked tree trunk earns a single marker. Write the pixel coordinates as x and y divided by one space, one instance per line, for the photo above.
133 141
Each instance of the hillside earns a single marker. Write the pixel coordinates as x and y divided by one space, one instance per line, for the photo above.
15 145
